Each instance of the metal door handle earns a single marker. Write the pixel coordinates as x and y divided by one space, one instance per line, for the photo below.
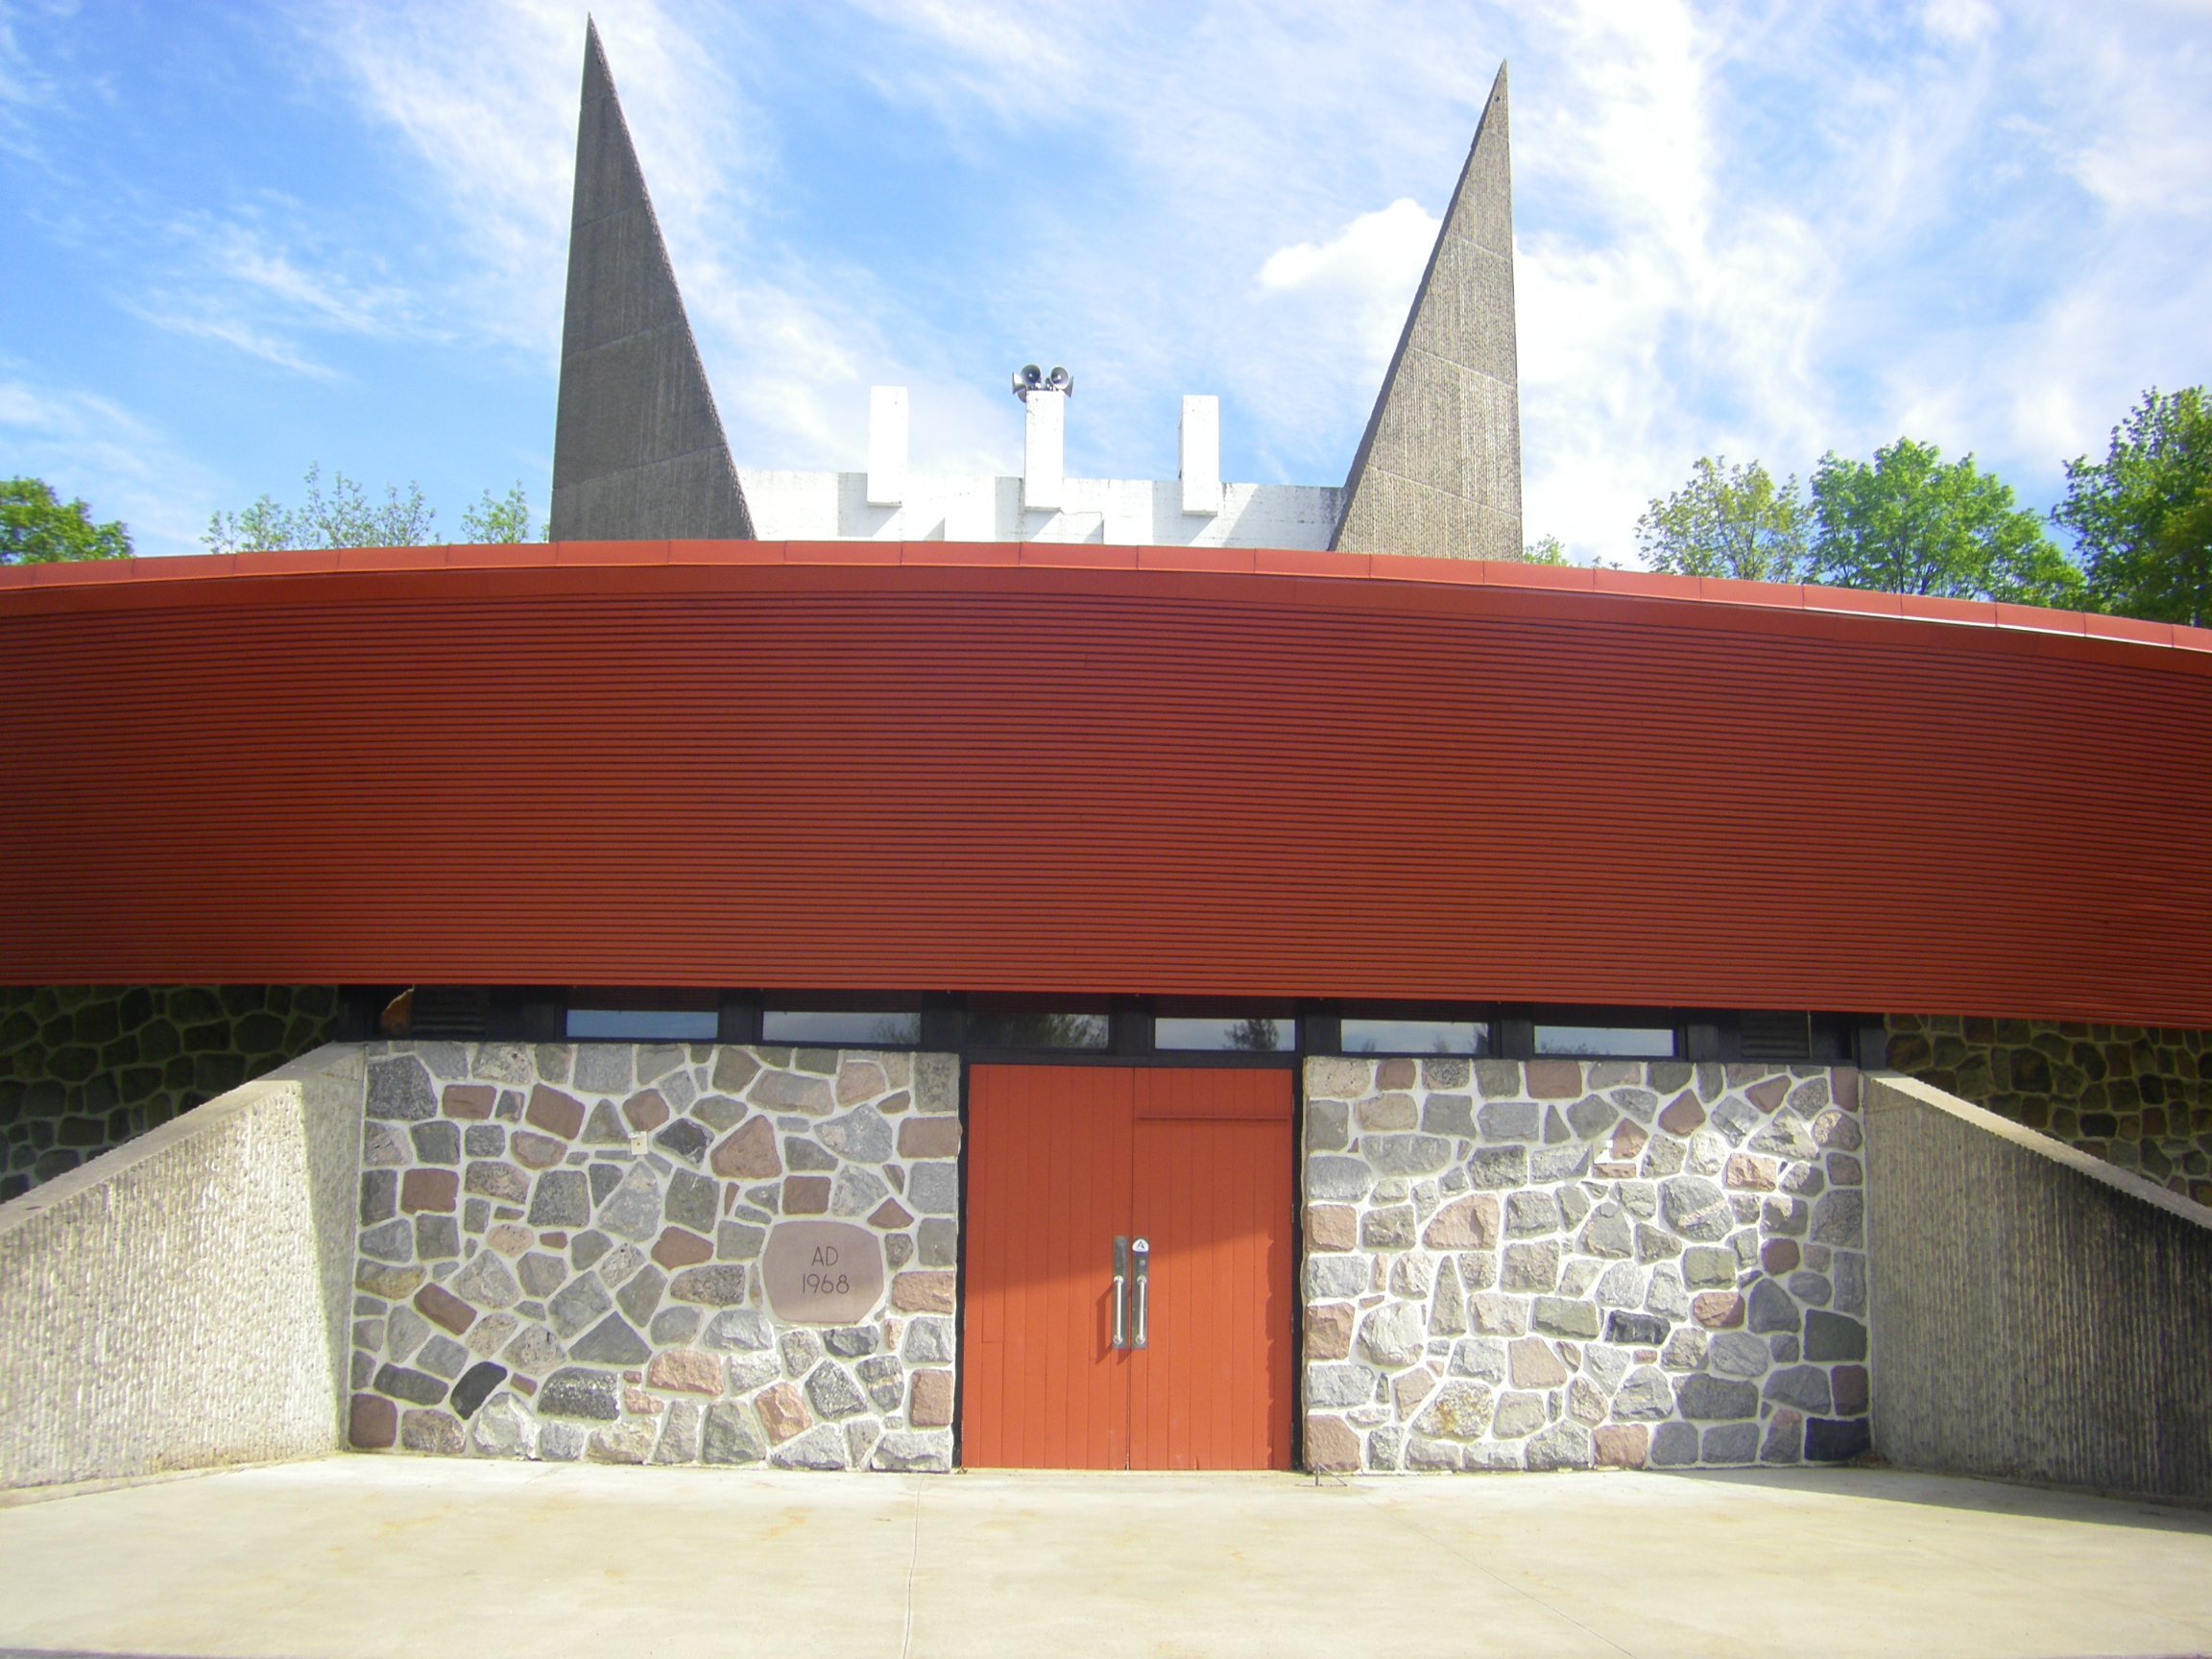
1120 1292
1142 1249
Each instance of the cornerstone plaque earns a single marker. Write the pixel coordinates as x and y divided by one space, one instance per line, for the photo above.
822 1272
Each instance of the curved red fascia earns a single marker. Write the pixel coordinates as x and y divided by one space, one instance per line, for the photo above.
1083 768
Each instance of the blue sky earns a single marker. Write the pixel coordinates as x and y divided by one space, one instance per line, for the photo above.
238 239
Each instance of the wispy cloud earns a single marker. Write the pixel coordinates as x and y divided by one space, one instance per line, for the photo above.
1744 225
89 446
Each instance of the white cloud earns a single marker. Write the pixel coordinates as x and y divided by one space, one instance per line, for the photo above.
87 445
1370 271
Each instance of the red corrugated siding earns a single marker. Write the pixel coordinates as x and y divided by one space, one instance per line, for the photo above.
992 768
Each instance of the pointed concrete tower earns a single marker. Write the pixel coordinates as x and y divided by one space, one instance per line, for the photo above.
1439 469
638 447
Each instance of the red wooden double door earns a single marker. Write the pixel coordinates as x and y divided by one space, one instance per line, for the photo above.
1197 1164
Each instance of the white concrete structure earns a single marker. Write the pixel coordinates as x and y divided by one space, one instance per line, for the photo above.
886 446
1195 509
1043 450
1198 455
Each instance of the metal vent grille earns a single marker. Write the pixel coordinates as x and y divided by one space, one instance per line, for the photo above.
450 1011
1777 1035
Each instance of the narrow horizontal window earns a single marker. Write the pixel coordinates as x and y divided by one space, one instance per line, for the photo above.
1607 1042
863 1028
1414 1036
1252 1035
623 1015
990 1027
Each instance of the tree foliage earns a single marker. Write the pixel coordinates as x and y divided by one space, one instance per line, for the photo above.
1727 521
2143 515
348 518
1909 523
1544 550
38 527
505 518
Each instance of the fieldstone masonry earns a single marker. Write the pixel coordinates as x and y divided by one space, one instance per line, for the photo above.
1560 1263
85 1068
560 1253
2136 1096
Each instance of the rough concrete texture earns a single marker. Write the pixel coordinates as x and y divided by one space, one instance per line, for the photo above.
638 447
182 1302
368 1557
2037 1313
1438 472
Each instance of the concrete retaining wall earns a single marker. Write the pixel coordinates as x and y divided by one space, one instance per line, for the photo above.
2036 1315
182 1301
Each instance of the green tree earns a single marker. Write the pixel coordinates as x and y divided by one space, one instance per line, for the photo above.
1727 521
1911 524
2143 515
346 518
498 519
38 527
1544 550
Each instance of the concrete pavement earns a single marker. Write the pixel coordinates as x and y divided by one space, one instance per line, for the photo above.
364 1558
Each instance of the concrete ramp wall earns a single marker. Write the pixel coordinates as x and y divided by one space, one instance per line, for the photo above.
183 1300
2037 1313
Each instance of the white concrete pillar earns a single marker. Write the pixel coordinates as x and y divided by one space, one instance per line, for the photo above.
1198 447
1044 463
886 446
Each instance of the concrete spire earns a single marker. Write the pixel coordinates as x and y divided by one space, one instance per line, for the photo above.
638 447
1439 469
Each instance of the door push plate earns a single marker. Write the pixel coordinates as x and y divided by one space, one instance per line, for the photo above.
1121 1290
1141 1253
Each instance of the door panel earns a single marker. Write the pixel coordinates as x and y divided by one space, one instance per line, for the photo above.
1048 1165
1061 1160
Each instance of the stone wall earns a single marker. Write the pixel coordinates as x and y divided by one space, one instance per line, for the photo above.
2039 1314
181 1303
84 1067
561 1253
2140 1099
1558 1263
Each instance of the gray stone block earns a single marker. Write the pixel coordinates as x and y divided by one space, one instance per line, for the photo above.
1738 1354
638 1298
1498 1168
1696 1207
1557 1317
561 1199
1449 1115
573 1391
632 1209
914 1450
1727 1443
1530 1214
1512 1121
611 1342
937 1244
929 1342
819 1448
1831 1336
399 1089
1803 1386
1337 1178
582 1303
1338 1386
416 1387
1704 1398
1772 1309
1646 1397
933 1188
1673 1445
740 1330
1405 1154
